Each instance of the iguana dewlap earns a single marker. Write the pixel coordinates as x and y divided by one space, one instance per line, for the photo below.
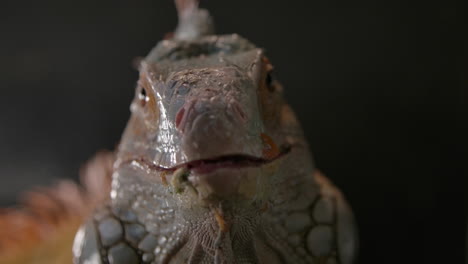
213 166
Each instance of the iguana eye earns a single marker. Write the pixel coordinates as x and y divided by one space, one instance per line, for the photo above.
143 96
270 81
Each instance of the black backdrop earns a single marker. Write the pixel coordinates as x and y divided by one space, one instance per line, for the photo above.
378 86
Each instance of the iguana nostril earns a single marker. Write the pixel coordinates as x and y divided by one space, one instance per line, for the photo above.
180 115
239 112
183 115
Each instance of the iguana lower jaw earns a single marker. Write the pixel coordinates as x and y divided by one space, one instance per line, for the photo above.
233 175
233 181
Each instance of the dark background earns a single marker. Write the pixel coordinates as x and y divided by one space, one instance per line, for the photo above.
380 88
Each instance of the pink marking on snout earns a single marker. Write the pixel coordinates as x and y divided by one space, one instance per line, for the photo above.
239 112
182 115
187 114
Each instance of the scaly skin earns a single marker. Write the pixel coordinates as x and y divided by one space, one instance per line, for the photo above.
213 166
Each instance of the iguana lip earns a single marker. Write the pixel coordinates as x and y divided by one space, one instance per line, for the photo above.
229 162
204 166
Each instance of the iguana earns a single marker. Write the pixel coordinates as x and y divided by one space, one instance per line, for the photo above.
213 167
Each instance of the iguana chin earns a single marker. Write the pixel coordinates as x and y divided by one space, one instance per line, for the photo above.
213 166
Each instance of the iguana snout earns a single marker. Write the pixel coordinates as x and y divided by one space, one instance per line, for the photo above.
219 116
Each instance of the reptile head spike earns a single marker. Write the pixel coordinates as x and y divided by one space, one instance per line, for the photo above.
193 22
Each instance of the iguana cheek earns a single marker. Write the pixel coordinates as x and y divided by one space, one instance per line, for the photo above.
270 149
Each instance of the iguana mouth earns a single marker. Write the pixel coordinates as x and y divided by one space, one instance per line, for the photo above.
204 166
229 162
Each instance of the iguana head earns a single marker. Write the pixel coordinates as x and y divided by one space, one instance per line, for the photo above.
213 166
209 117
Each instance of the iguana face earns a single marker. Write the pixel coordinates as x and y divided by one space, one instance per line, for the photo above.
208 114
213 166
